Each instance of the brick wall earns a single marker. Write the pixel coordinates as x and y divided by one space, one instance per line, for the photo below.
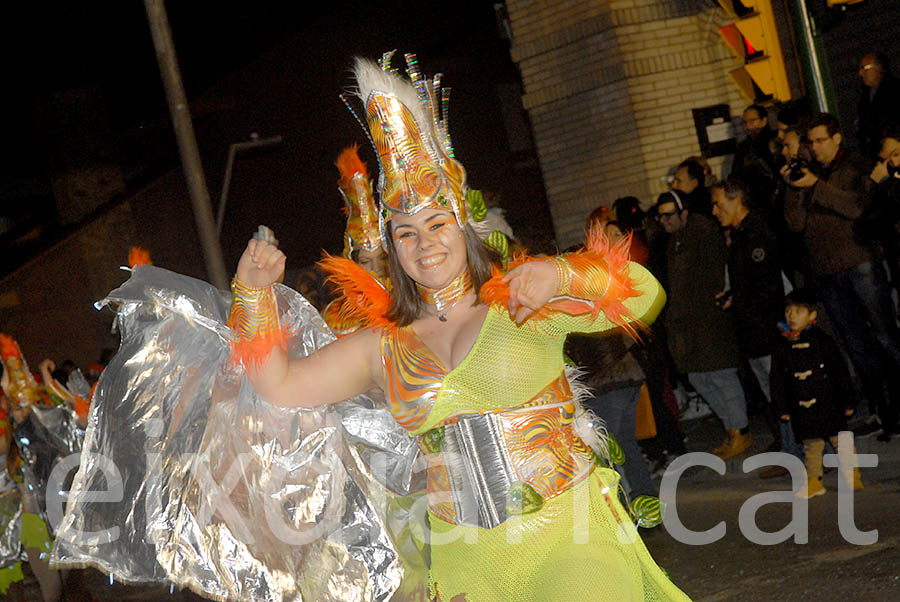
609 86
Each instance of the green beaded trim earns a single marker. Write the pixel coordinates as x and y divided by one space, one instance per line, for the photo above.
431 440
523 499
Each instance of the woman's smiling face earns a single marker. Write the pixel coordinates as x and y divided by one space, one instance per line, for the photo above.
430 246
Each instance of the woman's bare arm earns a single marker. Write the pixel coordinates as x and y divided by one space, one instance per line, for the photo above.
346 367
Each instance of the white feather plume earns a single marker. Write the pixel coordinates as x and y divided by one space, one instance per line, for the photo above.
494 220
370 77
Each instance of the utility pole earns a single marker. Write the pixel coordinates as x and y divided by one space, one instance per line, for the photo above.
187 142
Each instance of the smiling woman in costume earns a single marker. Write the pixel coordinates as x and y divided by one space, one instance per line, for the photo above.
471 363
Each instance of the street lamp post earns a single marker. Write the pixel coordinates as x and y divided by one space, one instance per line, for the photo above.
254 142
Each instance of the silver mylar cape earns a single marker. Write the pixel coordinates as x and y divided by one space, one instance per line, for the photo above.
11 550
187 477
48 437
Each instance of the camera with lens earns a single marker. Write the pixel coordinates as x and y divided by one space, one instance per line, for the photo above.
796 167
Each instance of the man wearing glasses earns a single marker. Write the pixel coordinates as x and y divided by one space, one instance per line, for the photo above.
754 161
880 96
701 336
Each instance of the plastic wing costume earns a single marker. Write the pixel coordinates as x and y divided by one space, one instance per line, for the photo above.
188 477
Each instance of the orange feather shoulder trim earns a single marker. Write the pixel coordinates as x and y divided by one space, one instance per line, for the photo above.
362 297
612 259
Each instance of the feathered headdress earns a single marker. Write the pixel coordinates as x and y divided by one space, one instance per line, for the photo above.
407 124
359 203
21 387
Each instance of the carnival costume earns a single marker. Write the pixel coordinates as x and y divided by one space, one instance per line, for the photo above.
512 460
507 462
363 231
49 432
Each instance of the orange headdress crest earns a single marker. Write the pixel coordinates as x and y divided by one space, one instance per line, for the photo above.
21 388
407 122
138 256
359 203
9 347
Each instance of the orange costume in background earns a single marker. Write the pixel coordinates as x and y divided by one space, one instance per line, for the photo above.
362 231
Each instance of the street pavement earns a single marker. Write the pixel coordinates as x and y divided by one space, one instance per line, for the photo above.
825 568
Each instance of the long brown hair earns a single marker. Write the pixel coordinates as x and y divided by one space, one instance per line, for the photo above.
406 303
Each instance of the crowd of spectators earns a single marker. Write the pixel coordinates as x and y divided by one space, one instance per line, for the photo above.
801 210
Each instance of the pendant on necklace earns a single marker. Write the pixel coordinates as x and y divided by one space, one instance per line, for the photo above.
446 298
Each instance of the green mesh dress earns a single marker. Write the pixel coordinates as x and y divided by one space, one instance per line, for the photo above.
579 544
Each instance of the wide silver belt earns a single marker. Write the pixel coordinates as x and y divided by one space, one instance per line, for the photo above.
478 478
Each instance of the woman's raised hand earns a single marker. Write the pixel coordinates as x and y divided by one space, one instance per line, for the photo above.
261 264
531 285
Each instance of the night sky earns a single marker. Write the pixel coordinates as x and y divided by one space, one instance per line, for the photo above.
270 68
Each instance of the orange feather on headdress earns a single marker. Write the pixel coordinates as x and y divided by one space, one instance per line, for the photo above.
349 164
9 347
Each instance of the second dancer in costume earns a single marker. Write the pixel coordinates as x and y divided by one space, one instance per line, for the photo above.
362 238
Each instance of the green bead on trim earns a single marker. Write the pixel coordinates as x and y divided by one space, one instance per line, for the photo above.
432 440
647 511
442 200
523 499
497 241
477 207
616 455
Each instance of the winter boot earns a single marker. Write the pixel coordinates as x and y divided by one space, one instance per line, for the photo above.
738 444
723 445
851 477
857 480
812 488
812 451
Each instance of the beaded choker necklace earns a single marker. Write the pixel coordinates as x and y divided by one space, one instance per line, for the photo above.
447 297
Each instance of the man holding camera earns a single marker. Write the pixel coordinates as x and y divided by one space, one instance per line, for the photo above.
824 203
881 222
